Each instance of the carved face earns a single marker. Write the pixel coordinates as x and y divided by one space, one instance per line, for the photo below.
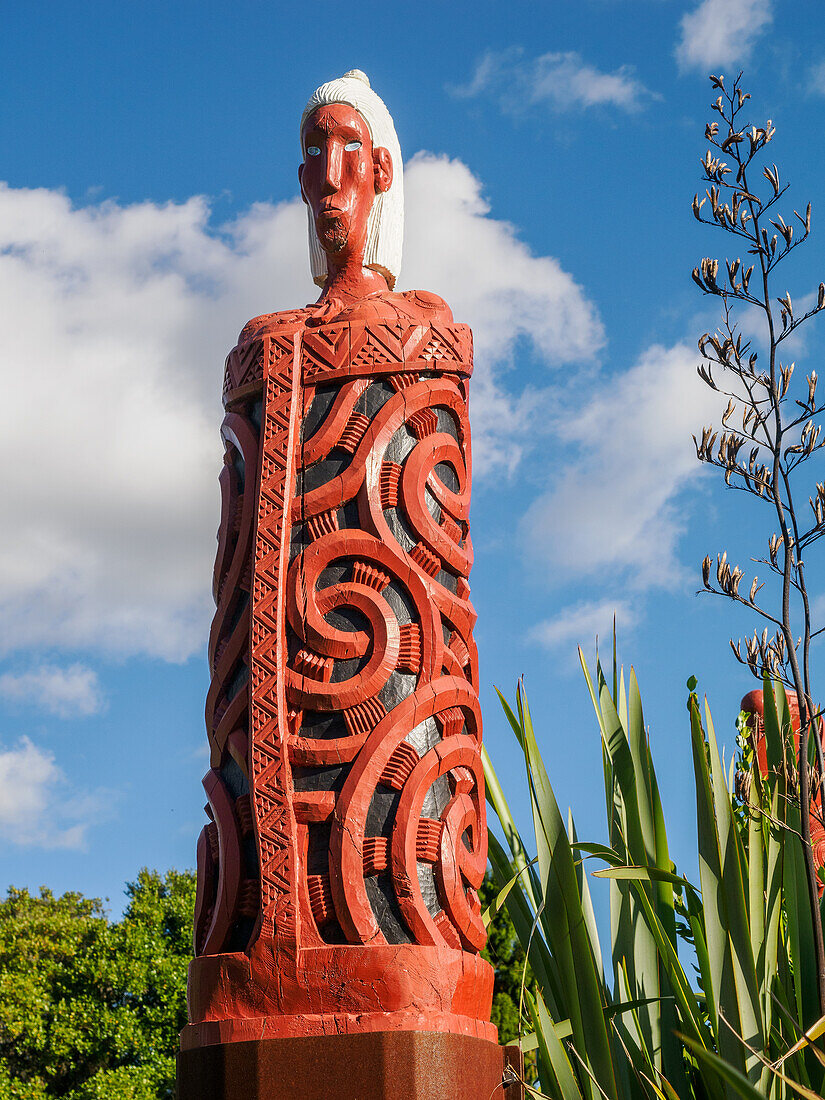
340 177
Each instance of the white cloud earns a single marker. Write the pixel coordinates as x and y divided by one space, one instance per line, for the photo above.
116 323
580 623
558 81
34 809
66 692
818 611
118 320
816 78
721 32
613 506
493 281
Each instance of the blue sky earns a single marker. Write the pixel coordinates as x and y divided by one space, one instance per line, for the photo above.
149 153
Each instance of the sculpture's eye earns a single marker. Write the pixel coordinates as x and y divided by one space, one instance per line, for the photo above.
313 151
352 145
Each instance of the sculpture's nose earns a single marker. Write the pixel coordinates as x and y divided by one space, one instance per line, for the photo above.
332 176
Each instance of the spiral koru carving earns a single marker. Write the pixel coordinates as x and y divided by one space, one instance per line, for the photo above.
753 705
346 790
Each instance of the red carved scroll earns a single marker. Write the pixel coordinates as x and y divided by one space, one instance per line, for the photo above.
753 705
338 876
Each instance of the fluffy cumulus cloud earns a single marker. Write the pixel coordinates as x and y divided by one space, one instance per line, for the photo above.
613 506
721 32
556 81
492 280
116 321
36 808
66 692
581 622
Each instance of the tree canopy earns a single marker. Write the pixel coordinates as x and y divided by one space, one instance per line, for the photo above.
506 954
91 1009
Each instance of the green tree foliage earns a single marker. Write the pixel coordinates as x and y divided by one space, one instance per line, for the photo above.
91 1009
506 954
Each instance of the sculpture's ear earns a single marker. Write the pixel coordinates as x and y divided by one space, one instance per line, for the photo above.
382 168
301 181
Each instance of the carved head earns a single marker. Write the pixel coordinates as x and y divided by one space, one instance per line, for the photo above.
351 178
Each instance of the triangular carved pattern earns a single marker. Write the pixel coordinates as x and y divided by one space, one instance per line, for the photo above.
323 349
353 347
442 347
244 364
270 786
432 344
377 344
460 339
365 355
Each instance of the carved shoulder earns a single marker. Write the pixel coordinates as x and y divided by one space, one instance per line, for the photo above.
414 305
270 322
431 305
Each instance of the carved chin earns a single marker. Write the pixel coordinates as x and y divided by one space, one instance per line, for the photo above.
332 233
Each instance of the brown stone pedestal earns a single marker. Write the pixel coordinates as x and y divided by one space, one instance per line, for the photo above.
384 1065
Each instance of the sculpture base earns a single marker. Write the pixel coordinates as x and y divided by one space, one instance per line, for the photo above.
381 1065
275 993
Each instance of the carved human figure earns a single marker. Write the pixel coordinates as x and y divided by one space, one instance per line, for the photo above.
340 178
337 878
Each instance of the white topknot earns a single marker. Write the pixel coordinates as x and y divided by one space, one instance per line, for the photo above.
357 74
385 230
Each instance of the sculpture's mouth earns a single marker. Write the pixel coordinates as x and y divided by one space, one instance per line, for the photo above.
331 227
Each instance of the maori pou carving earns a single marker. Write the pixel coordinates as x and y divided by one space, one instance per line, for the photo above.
754 705
338 875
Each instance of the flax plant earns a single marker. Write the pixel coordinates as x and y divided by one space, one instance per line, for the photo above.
769 430
703 988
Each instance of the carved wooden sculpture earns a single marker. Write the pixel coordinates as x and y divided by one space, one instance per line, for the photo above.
753 704
337 878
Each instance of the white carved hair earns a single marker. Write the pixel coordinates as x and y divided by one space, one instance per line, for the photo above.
385 228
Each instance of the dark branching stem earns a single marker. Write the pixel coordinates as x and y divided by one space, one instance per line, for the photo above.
776 445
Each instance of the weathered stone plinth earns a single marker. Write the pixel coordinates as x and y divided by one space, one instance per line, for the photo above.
407 1065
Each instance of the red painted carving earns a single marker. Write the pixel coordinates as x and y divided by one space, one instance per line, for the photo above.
338 877
753 705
